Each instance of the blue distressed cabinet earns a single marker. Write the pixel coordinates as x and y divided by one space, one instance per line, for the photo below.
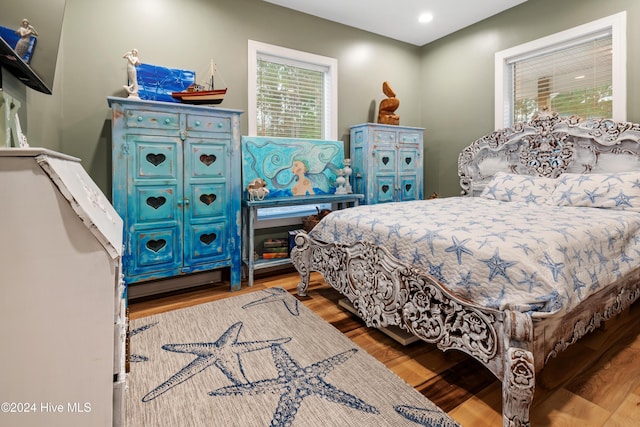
387 162
176 185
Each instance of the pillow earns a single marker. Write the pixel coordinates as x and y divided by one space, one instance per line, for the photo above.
619 191
508 187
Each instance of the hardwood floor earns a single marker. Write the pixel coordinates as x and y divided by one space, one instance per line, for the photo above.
596 382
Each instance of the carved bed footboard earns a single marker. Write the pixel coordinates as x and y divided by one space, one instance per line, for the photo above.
386 292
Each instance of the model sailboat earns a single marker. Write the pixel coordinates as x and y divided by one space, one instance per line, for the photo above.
202 93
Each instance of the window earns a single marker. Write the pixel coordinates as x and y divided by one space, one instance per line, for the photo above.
291 94
581 71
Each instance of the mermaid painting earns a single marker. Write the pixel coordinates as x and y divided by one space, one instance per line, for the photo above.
292 167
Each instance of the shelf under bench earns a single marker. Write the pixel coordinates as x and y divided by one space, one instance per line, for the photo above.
250 213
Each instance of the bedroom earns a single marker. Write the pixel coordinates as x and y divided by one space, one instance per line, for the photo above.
435 83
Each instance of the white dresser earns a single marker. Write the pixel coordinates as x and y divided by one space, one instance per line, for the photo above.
62 299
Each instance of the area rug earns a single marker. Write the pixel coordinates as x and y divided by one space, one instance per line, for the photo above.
262 359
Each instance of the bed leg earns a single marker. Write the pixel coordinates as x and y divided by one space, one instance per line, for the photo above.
518 385
303 285
301 259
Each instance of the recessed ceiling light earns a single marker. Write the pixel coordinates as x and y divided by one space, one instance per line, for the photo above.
579 77
425 17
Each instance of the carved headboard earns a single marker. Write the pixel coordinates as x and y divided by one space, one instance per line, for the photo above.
549 145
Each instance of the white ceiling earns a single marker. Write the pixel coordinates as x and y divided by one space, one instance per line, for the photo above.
399 19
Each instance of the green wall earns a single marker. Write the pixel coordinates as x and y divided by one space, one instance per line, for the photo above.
457 75
187 34
445 86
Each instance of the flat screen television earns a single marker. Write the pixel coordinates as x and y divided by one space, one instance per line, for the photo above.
37 69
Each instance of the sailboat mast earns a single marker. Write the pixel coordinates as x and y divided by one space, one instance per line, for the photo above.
211 73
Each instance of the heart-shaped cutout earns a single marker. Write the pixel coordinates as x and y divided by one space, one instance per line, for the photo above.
385 188
207 199
208 159
408 160
408 187
156 245
208 238
385 160
156 159
156 202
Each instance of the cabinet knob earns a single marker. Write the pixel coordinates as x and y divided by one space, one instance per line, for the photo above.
197 123
140 118
167 121
220 125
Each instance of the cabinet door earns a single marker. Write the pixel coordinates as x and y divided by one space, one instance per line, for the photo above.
384 176
207 206
385 189
154 195
409 172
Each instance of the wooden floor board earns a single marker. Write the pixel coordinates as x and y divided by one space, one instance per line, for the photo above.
479 410
564 408
627 414
595 383
611 381
457 384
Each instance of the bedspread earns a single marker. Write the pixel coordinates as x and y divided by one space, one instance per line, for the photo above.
542 259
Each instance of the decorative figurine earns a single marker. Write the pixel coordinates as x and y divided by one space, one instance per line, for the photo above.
347 175
132 75
25 32
257 189
386 112
340 182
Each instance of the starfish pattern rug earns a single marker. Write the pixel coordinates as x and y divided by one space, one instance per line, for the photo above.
262 359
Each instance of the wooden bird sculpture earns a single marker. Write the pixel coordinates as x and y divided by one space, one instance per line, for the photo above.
386 112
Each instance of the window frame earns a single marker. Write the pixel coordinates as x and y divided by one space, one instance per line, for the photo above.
297 58
616 23
276 217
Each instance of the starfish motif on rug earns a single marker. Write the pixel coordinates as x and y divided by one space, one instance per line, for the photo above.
425 416
295 382
223 353
138 357
278 295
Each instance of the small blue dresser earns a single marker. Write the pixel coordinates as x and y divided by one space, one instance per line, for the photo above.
176 185
387 162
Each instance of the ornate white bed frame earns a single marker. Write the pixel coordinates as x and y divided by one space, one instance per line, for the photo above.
512 345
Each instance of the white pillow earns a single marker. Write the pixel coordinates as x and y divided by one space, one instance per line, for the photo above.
509 187
609 191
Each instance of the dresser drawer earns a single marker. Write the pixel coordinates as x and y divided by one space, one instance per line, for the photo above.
150 119
384 136
413 137
208 123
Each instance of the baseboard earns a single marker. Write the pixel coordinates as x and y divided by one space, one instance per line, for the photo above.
400 335
145 289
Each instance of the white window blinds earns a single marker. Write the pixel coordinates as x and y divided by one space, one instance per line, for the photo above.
574 78
291 98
